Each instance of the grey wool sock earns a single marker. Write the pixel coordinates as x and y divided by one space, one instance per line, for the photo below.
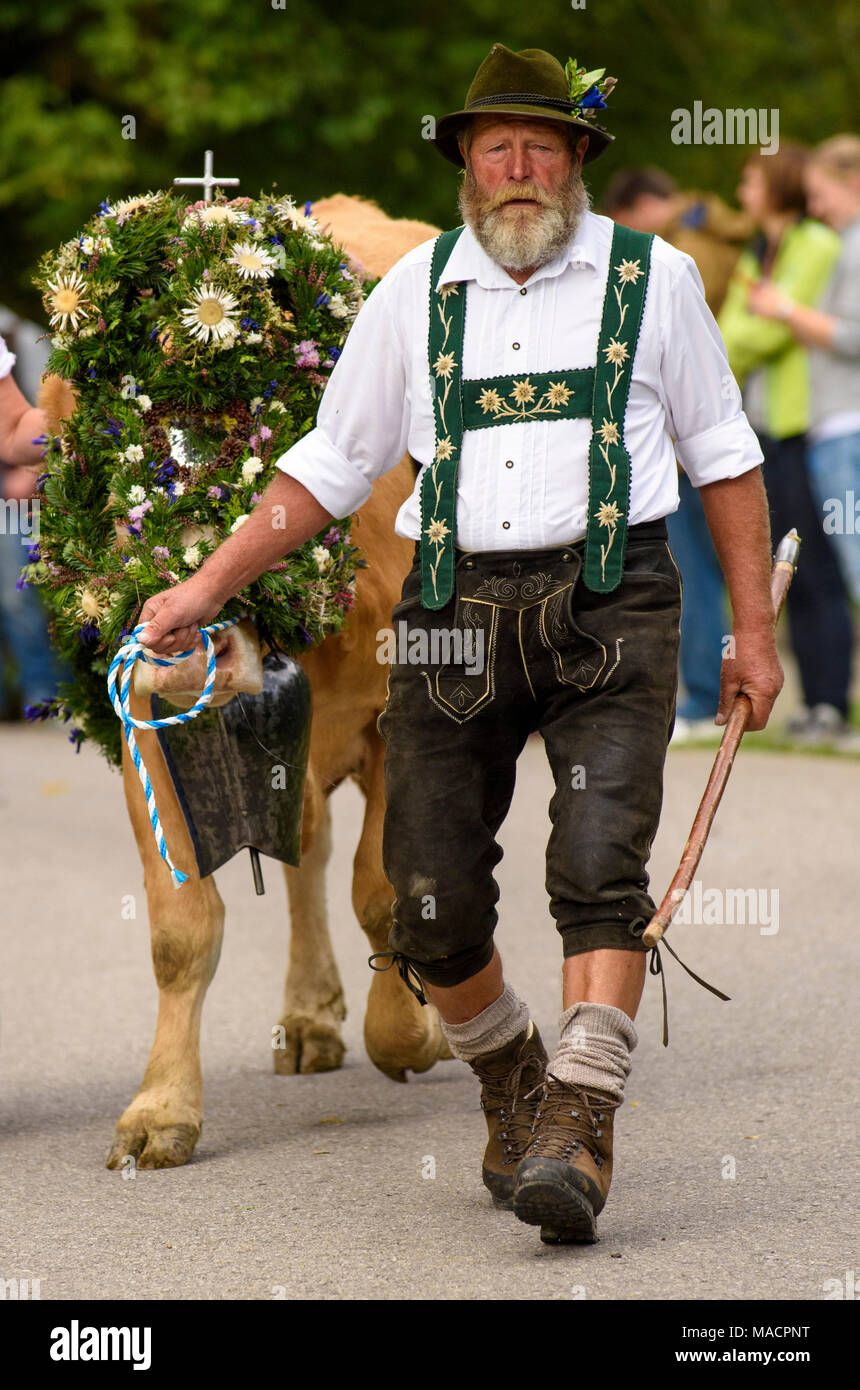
492 1028
594 1048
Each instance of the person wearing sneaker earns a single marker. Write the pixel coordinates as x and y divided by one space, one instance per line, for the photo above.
543 367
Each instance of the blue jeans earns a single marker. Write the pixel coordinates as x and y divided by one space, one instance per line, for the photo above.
24 632
703 618
834 471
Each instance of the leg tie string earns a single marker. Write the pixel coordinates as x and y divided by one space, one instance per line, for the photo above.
405 969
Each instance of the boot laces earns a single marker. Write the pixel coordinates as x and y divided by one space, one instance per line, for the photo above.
507 1094
569 1120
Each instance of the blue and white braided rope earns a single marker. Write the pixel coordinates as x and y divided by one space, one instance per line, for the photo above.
121 668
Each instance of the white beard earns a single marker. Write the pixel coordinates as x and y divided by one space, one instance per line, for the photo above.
524 238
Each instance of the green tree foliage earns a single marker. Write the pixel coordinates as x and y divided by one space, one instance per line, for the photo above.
333 97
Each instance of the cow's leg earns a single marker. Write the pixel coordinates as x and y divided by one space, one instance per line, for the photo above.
309 1036
400 1034
162 1124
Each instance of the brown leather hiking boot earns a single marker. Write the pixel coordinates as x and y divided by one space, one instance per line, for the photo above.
507 1077
563 1180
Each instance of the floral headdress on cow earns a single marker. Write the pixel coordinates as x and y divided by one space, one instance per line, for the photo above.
198 340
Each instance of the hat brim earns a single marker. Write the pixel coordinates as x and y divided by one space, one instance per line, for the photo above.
449 127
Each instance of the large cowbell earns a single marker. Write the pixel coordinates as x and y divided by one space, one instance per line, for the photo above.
239 770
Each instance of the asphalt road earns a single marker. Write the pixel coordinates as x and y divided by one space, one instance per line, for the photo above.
736 1148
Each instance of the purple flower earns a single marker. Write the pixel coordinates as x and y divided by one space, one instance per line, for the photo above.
21 583
114 427
89 633
134 531
265 432
334 353
322 299
308 206
34 554
218 493
256 497
161 551
77 737
331 536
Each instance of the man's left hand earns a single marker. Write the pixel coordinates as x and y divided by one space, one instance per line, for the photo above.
751 665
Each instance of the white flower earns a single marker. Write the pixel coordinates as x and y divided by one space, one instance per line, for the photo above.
250 468
240 521
89 244
178 489
128 387
278 407
136 494
253 337
134 453
209 313
191 556
143 403
134 563
252 262
322 558
286 211
68 299
257 401
338 307
215 212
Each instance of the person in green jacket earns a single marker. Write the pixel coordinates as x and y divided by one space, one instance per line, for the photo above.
798 256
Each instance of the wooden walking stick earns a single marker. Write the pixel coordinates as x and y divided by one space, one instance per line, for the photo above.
784 566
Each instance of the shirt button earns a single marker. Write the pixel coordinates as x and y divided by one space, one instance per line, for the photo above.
523 291
515 346
506 526
509 463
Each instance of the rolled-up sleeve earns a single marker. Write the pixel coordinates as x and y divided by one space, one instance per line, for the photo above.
712 437
363 420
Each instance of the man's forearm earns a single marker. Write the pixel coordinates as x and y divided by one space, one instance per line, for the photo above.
737 515
285 517
20 424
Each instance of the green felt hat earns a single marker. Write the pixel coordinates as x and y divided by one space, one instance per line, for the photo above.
531 83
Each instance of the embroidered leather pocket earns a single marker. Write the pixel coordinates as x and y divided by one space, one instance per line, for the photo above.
579 659
464 685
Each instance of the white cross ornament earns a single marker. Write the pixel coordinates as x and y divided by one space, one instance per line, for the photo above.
208 181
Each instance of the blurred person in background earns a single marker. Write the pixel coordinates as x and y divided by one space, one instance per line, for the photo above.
23 625
831 332
714 234
796 256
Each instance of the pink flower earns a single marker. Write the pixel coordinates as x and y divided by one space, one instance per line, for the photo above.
254 441
161 551
265 432
307 353
256 497
136 514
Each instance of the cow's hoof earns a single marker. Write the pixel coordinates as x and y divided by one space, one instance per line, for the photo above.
168 1147
416 1047
308 1046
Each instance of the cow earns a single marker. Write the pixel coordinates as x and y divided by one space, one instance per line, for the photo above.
161 1126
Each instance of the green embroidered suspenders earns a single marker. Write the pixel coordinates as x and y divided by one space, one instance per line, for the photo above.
598 392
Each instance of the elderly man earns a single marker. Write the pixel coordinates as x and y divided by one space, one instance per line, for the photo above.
544 395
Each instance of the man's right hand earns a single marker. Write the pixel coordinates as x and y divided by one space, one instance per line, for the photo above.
174 616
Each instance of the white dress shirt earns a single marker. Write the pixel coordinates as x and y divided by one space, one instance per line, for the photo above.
525 485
